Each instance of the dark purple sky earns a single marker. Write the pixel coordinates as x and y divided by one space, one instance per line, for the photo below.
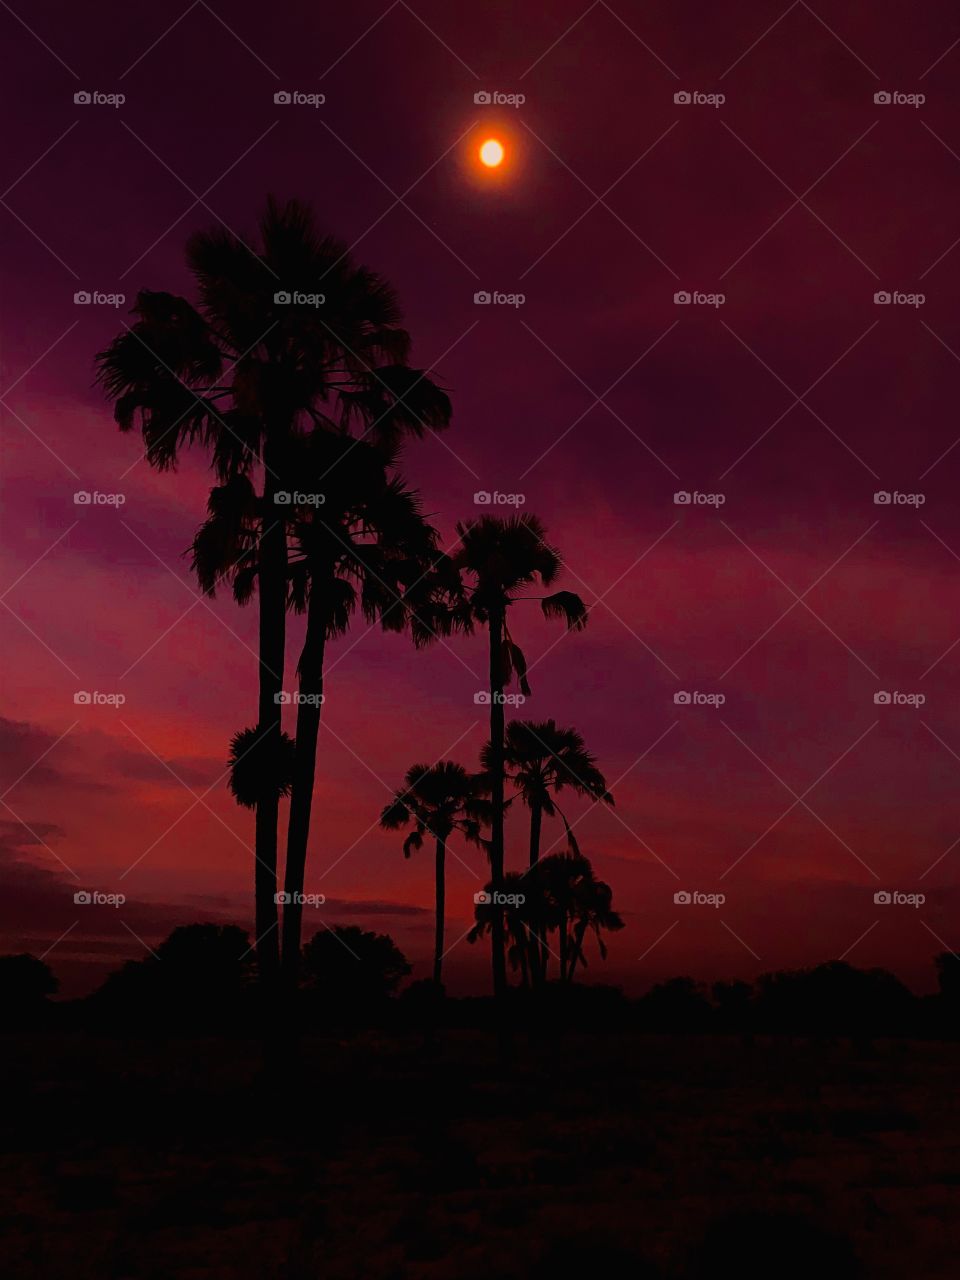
798 198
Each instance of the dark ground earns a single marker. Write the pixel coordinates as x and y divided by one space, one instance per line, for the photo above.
650 1156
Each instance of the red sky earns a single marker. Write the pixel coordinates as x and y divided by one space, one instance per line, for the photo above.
797 198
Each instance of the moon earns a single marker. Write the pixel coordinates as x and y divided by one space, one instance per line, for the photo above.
491 153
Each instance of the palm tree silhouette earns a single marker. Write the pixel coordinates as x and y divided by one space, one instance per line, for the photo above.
246 372
573 901
438 799
496 559
366 545
540 760
513 910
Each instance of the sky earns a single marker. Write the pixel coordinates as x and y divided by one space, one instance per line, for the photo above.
784 397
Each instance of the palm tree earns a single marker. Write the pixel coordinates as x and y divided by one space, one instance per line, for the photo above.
263 357
514 908
540 760
438 799
366 545
573 901
497 558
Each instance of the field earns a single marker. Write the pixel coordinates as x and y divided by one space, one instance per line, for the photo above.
388 1157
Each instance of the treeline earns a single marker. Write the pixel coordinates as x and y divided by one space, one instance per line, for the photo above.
202 981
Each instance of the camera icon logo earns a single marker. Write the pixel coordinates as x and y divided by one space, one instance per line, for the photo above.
82 898
283 699
81 698
881 699
682 898
681 699
282 98
882 98
681 498
882 898
282 498
282 298
82 498
82 98
882 298
482 699
482 98
482 899
881 498
682 98
282 899
482 298
482 498
681 298
81 298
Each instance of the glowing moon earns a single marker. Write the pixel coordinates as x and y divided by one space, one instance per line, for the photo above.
491 153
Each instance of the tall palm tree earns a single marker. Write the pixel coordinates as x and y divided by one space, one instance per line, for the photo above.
291 337
497 559
438 799
365 544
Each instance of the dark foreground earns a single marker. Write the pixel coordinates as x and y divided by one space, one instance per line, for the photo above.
670 1157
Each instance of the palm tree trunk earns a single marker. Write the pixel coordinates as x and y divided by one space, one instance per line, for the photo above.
496 623
536 822
272 586
441 896
563 946
304 775
538 955
578 936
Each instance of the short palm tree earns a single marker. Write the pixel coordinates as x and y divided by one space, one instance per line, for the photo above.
497 559
540 760
438 800
574 902
515 908
291 337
